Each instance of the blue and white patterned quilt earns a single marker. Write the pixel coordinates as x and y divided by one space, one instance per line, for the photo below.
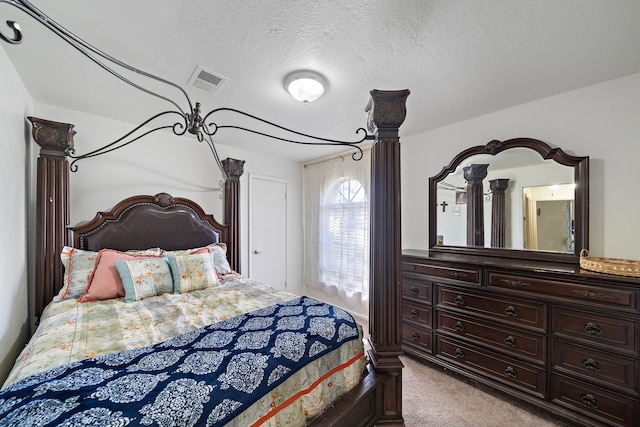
204 377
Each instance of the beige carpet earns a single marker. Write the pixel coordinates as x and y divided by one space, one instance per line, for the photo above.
431 397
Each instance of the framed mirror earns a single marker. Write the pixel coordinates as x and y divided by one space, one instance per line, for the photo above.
518 198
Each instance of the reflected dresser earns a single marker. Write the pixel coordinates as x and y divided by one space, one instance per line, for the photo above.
557 337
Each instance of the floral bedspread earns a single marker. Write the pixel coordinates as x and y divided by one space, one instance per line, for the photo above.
70 331
203 377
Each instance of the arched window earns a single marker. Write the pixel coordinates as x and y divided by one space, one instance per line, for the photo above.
344 237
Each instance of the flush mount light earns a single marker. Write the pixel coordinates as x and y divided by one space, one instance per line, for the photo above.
305 86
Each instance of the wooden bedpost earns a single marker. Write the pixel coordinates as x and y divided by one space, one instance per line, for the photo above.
387 111
52 205
234 169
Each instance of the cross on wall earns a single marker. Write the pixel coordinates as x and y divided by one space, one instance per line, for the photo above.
444 205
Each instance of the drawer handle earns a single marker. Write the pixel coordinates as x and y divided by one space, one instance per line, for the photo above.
592 329
413 314
415 336
510 341
511 311
510 372
516 283
459 354
589 400
591 365
414 291
458 326
459 300
457 274
593 294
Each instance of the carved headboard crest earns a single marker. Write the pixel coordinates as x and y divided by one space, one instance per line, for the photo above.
164 199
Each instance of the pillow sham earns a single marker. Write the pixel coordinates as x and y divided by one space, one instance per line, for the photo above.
105 282
219 255
192 272
145 277
218 252
79 264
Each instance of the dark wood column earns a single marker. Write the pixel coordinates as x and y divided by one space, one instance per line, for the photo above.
387 111
234 169
474 174
498 211
52 205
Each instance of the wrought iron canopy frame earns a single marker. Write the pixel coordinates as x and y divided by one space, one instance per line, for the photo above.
188 120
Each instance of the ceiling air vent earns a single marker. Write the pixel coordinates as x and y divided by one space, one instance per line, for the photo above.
206 80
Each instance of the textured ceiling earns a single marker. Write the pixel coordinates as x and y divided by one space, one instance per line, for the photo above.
459 58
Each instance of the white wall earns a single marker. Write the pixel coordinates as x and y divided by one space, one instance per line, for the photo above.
15 105
600 121
180 166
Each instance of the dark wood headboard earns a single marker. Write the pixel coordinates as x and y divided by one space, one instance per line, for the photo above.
138 222
142 222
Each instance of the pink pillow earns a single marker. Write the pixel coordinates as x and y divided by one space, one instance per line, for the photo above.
105 282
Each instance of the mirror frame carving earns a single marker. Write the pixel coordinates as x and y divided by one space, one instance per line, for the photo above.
581 179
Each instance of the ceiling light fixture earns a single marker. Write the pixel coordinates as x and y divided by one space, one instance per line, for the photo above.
305 86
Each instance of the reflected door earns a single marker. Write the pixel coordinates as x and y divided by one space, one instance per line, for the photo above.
554 227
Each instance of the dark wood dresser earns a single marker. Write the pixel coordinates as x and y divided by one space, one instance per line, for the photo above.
553 335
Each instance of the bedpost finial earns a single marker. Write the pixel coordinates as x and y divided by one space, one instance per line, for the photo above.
386 109
52 136
234 168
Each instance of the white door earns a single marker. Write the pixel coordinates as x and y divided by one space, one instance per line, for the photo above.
268 231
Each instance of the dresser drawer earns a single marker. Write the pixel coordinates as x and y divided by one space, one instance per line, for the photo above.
417 290
616 297
461 274
417 337
512 310
590 328
504 369
611 408
513 341
592 364
418 313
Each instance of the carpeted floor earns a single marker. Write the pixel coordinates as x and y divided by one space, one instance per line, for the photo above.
431 397
434 398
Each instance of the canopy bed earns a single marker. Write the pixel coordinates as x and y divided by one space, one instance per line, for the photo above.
110 358
517 317
175 225
157 355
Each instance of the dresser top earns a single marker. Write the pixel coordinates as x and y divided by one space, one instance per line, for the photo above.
567 270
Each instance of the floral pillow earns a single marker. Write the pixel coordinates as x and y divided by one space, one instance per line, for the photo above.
105 282
79 264
192 272
145 277
217 251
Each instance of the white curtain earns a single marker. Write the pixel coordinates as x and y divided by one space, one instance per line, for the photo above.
336 229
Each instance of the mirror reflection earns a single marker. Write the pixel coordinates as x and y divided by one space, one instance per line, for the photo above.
519 195
549 217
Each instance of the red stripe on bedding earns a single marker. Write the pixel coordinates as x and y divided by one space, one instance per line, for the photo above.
308 390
